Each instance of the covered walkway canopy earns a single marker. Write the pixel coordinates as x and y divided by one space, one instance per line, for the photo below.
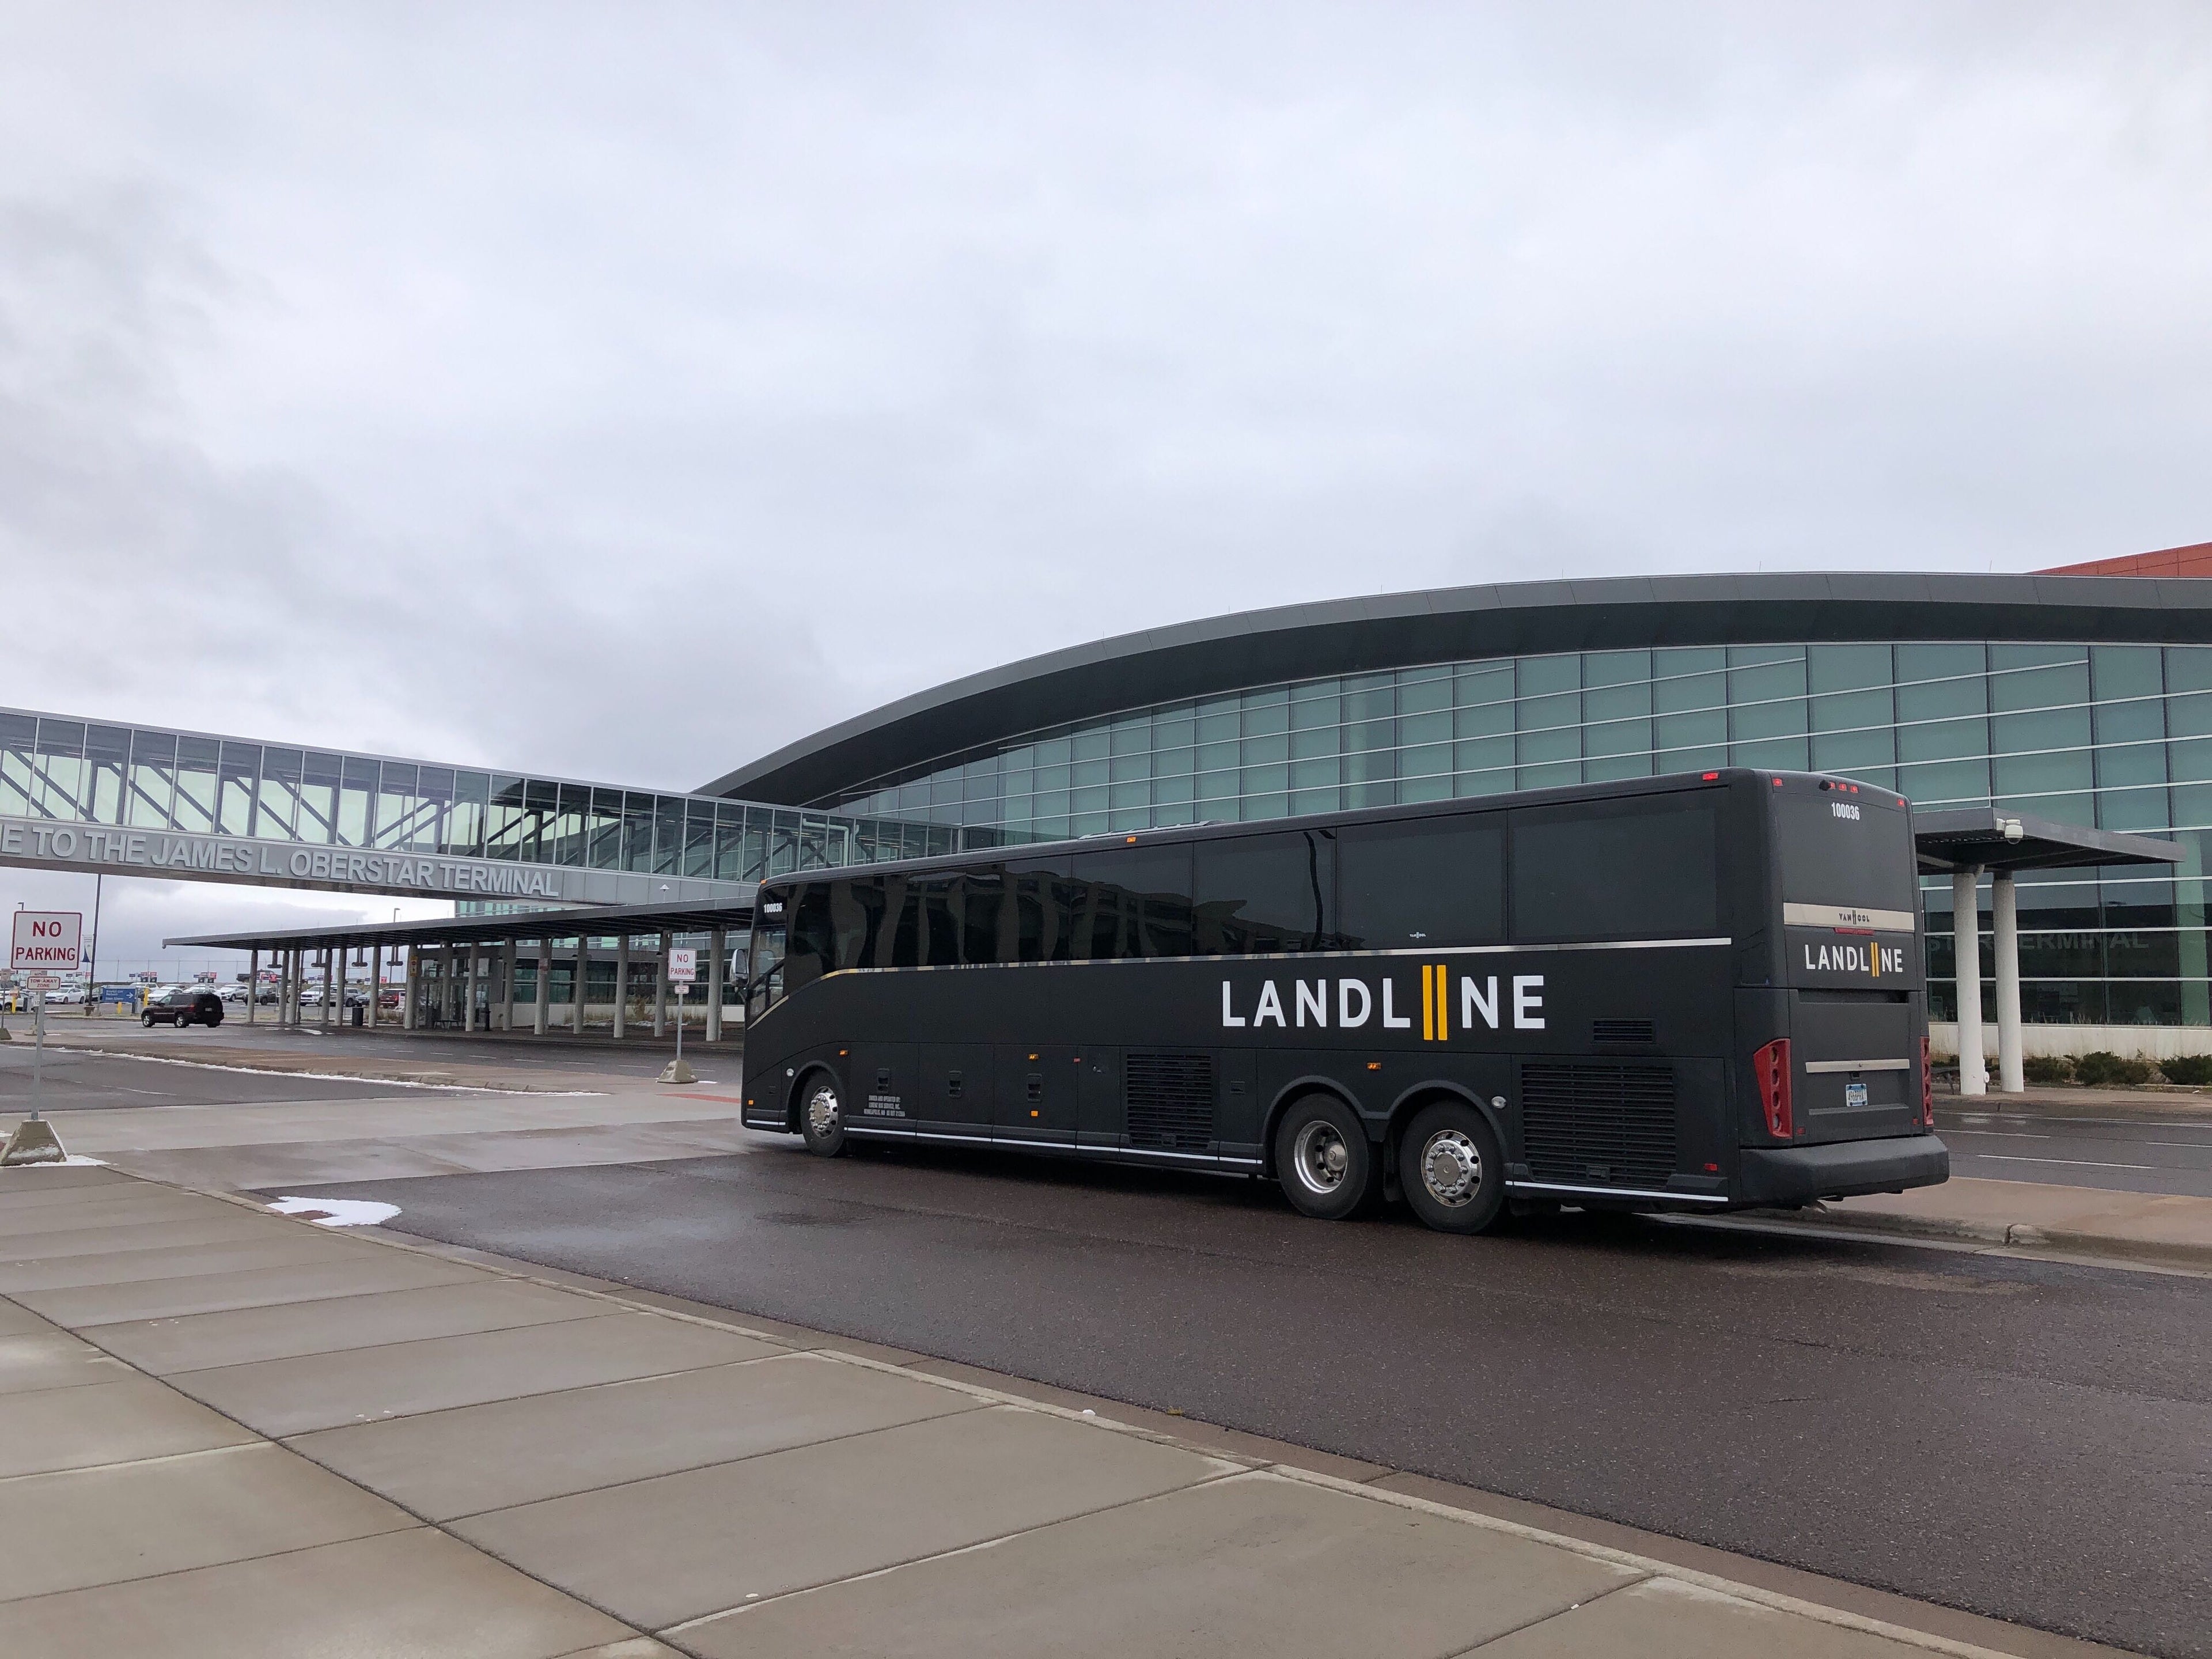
464 969
1965 842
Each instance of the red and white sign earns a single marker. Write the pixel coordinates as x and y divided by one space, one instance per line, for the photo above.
47 941
682 966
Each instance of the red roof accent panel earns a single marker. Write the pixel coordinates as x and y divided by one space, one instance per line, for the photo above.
2195 559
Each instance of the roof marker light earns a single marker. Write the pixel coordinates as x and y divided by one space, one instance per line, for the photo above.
1709 776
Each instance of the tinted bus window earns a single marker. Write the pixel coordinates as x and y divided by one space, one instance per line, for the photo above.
1260 894
1648 872
1434 881
980 891
855 914
1136 903
1040 899
813 948
940 921
1848 853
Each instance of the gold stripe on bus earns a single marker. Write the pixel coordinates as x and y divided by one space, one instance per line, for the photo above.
1443 1002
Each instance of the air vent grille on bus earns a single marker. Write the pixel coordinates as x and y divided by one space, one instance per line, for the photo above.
1624 1031
1596 1124
1169 1099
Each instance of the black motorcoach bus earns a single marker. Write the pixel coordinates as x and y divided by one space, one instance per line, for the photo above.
1682 993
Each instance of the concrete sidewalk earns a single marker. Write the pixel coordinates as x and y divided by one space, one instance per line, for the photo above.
223 1431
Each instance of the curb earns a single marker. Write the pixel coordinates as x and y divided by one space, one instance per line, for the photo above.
2012 1235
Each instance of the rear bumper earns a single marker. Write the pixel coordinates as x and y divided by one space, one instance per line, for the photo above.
1798 1175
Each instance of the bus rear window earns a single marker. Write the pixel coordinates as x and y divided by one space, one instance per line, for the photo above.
1855 853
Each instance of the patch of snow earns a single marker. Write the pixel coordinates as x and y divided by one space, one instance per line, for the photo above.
337 1212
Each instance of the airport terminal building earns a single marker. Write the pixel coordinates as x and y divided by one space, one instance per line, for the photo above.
2083 697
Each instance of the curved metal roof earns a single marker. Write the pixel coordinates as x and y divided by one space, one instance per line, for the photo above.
1398 630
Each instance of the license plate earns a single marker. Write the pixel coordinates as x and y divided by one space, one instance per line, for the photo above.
1854 1094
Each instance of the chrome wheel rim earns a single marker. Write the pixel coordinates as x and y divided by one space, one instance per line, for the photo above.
822 1113
1321 1156
1451 1168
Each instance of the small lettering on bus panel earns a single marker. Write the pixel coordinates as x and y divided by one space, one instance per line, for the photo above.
1479 1003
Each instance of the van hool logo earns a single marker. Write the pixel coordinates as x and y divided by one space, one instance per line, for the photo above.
1870 959
1445 997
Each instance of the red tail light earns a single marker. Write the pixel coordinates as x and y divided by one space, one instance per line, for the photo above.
1927 1088
1771 1064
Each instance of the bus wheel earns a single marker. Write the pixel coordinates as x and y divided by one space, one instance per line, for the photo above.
1451 1169
1324 1160
822 1119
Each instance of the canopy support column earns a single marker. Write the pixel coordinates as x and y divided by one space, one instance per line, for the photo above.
544 999
252 985
507 988
621 987
414 987
2004 915
583 980
1966 924
660 986
328 952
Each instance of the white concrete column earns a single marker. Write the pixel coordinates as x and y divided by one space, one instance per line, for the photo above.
621 987
469 989
581 988
718 942
287 999
544 1001
252 985
2004 916
376 981
1966 949
328 953
414 987
660 986
507 988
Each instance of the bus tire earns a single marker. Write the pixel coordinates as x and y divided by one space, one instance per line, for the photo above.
1324 1160
1451 1168
822 1116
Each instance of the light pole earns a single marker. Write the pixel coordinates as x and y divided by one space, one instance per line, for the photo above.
91 962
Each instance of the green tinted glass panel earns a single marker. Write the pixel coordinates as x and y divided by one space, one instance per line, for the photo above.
1846 667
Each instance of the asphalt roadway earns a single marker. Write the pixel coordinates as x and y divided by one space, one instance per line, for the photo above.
2025 1439
74 1081
2165 1149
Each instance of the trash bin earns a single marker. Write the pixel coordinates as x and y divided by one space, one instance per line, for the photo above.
357 1011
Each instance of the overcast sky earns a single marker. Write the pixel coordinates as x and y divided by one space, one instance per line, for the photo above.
623 391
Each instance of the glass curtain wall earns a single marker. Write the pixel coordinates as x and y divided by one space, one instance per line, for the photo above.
2116 736
156 781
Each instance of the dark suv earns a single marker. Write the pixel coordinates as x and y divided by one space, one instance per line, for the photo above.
184 1006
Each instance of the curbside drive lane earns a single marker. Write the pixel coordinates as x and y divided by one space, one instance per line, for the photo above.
226 1432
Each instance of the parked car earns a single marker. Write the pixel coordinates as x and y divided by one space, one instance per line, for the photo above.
183 1005
232 993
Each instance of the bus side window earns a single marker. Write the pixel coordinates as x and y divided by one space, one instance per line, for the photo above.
1641 870
1036 912
1139 903
940 928
1429 882
981 895
813 946
855 911
1256 895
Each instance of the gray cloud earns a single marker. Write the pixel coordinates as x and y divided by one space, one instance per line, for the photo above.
624 393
